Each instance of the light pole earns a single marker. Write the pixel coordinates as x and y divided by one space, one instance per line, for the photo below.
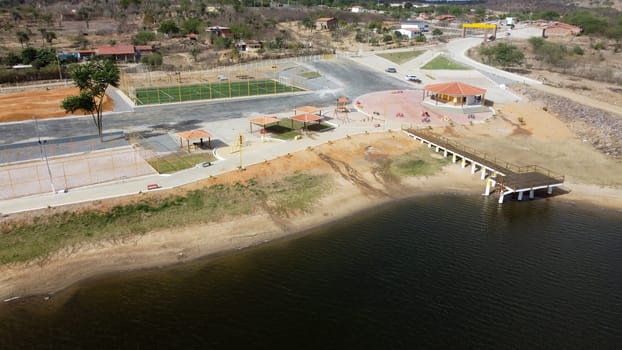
44 154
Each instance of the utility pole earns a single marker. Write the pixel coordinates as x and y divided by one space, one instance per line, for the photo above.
44 154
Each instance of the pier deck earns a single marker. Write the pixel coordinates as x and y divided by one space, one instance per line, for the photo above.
506 177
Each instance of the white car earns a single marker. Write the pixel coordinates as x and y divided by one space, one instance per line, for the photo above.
222 77
414 78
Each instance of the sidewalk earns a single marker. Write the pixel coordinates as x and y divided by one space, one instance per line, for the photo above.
254 152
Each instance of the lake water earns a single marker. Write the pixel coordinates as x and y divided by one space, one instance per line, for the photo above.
442 271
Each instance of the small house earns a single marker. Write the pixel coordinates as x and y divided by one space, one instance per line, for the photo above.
326 23
125 53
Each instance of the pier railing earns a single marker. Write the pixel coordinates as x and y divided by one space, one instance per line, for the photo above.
483 157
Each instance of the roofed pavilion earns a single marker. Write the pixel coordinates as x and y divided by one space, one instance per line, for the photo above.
456 93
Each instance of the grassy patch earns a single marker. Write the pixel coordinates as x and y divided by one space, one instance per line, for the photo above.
441 62
288 129
179 161
400 57
310 75
418 163
67 230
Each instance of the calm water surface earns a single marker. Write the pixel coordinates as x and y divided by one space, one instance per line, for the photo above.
443 271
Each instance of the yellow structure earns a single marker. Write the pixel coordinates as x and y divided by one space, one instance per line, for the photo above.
485 26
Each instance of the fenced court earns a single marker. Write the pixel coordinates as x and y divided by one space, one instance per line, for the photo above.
67 172
179 93
263 77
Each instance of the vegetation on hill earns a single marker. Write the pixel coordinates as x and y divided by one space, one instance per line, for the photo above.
284 28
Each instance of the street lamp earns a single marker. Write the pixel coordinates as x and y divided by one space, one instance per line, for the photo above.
44 154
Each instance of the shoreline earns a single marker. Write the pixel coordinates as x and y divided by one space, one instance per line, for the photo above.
71 266
64 269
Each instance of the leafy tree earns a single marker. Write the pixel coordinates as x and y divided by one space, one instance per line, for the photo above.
29 54
437 32
308 23
22 37
192 25
169 26
589 23
49 37
92 78
43 58
84 13
154 59
508 54
240 31
143 38
12 58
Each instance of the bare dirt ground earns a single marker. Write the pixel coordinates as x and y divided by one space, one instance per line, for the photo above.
39 102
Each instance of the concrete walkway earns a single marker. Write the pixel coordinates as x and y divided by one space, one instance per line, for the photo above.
254 152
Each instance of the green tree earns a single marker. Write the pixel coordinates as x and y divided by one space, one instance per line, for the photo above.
12 58
84 13
437 32
508 55
23 37
308 23
143 38
49 37
154 59
29 54
168 27
92 78
43 58
192 26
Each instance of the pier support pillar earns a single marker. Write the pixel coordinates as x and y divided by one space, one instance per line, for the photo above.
531 194
488 185
473 167
463 163
520 195
437 149
501 195
445 152
453 158
483 173
421 141
549 190
494 174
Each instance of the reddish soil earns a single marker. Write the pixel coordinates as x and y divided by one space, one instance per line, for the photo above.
40 103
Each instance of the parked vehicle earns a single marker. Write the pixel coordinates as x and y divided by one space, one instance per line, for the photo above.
391 70
413 78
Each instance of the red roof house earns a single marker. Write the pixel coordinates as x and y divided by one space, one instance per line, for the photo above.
117 52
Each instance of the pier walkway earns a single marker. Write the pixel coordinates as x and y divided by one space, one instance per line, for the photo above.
507 178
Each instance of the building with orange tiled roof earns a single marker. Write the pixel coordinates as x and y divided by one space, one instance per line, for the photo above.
117 52
455 93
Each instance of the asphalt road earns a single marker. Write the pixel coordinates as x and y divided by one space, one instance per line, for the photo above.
339 77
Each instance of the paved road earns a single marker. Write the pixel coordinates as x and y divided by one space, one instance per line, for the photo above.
339 77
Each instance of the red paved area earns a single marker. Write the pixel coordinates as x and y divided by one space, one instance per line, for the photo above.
406 107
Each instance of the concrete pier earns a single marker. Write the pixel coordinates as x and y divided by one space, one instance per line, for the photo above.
508 178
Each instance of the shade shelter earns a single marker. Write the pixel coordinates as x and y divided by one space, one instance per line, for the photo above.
305 118
306 114
456 93
192 135
263 121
